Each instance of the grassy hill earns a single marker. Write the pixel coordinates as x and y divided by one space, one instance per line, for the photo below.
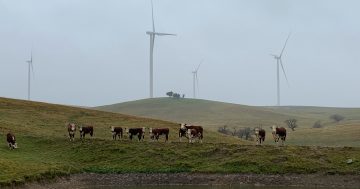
45 152
217 114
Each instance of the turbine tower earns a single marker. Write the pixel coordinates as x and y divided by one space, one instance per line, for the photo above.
278 64
152 35
196 80
30 62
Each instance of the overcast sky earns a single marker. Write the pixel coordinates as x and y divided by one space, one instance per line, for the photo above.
94 52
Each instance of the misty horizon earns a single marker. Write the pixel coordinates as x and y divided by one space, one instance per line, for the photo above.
92 53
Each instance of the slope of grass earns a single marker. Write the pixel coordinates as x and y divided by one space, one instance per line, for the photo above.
45 152
216 114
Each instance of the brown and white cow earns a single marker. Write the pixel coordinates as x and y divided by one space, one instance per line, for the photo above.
279 133
156 132
10 138
193 134
86 130
140 132
117 131
71 127
260 135
183 131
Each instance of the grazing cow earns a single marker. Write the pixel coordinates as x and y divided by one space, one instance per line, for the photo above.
193 134
116 131
10 138
183 131
71 129
140 132
279 133
156 132
260 135
86 130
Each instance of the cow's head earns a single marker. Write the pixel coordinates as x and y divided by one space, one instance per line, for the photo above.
182 126
273 129
112 128
256 131
72 126
81 128
143 129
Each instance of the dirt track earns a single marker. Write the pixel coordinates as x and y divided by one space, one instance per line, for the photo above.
90 179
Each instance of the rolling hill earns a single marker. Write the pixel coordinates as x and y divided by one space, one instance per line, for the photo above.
45 152
217 114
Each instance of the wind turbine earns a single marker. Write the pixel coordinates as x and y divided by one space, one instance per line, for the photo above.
152 35
196 79
30 62
279 63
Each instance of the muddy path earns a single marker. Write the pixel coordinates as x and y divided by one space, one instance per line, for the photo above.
86 180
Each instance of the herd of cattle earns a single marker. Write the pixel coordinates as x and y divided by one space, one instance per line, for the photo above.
191 132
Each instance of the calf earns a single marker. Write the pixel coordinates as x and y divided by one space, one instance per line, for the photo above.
71 130
193 134
116 131
184 128
140 132
260 135
156 132
279 133
10 138
86 130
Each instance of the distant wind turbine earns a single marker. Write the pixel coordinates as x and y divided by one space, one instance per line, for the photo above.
279 63
30 62
196 80
152 35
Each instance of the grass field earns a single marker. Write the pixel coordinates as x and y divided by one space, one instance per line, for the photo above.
217 114
45 152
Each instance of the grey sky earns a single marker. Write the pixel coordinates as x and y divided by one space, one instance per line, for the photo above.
89 52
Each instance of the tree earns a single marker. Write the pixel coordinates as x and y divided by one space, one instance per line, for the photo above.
246 132
317 124
170 94
176 95
337 118
291 123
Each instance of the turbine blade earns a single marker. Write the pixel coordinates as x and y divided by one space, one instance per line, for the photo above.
161 34
152 15
282 66
199 66
285 45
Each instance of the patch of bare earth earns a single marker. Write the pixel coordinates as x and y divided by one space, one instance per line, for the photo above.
90 179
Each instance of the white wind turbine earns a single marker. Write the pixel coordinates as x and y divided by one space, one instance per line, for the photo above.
279 63
152 35
30 62
196 80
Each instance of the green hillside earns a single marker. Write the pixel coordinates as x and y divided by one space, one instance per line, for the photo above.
217 114
45 152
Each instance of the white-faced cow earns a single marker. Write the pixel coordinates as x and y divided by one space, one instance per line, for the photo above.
10 138
71 130
194 134
117 131
183 131
279 133
260 135
140 132
156 132
86 130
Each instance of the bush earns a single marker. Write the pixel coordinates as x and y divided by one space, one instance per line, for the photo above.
337 118
317 124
